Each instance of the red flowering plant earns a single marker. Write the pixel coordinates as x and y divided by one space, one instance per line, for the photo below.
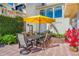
72 37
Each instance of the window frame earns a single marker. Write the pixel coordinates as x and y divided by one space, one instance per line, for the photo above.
41 12
58 7
52 12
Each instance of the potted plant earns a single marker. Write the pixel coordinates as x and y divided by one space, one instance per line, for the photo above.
71 39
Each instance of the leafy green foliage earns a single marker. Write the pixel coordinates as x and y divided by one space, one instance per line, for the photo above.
57 35
8 39
10 25
1 42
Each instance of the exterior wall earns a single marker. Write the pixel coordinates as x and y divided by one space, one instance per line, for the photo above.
71 9
62 23
10 13
78 20
6 5
60 26
31 9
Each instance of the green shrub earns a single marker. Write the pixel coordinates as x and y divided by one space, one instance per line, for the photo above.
57 35
8 39
1 42
10 25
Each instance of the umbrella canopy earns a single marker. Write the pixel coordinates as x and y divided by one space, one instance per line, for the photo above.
39 19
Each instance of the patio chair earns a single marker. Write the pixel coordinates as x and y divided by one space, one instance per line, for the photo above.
43 42
25 44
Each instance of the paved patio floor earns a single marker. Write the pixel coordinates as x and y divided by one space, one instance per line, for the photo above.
61 50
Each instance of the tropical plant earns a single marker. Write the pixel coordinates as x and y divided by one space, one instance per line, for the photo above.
8 39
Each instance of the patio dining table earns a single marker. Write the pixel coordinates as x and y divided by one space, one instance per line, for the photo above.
35 37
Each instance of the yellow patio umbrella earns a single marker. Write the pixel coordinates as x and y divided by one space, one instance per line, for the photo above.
39 19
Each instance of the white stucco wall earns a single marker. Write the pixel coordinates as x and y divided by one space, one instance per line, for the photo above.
31 9
61 24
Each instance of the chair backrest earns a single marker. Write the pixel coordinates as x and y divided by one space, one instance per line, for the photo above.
46 37
21 40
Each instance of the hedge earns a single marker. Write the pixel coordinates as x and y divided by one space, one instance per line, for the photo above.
57 35
10 25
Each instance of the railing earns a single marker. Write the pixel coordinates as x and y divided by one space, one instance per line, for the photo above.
6 12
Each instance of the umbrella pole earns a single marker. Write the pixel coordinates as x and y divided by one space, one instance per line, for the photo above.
39 26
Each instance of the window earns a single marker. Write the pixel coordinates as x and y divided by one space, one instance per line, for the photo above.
4 11
1 5
20 7
58 12
43 4
42 12
49 12
13 9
